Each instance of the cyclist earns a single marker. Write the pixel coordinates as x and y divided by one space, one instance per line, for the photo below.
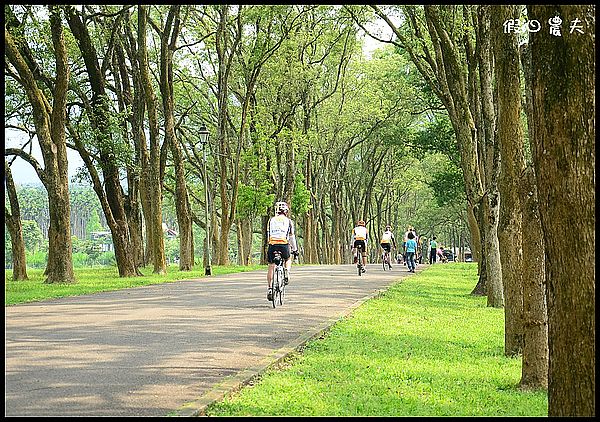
387 241
280 232
360 236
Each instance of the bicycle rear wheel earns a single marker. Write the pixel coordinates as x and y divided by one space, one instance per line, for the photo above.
359 260
281 287
275 287
277 293
383 261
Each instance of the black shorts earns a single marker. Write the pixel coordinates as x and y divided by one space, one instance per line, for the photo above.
386 247
283 248
361 243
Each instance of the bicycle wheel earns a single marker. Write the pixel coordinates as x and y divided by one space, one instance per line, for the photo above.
280 284
383 261
281 287
275 287
359 260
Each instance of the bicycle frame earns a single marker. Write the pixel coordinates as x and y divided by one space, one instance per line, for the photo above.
277 284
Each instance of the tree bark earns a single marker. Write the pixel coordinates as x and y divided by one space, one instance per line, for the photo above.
99 116
534 370
153 185
510 138
50 130
489 155
534 374
13 222
168 37
563 93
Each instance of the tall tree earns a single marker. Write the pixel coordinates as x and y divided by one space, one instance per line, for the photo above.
510 139
50 130
12 218
444 64
151 164
563 93
168 44
534 373
110 191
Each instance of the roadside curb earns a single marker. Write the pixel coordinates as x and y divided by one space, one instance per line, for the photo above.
235 382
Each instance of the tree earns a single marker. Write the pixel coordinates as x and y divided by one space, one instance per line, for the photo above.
447 60
50 131
12 219
152 188
534 373
512 166
563 145
109 190
168 40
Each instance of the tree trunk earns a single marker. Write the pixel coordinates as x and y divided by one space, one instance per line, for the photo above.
563 93
126 102
99 116
182 202
534 371
153 194
50 130
510 138
13 222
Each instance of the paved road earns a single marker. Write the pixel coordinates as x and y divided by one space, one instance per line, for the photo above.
169 348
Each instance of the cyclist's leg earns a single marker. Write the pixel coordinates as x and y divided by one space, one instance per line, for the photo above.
286 270
270 270
364 257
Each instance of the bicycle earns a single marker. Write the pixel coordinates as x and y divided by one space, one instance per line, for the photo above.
385 260
278 284
359 264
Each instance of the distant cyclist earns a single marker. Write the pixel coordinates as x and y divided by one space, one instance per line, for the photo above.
360 237
387 241
280 232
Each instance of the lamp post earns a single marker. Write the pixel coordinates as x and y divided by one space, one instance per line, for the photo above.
204 141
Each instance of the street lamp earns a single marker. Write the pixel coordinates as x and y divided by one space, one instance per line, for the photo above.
204 141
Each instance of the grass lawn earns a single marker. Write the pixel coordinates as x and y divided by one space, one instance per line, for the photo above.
100 279
424 348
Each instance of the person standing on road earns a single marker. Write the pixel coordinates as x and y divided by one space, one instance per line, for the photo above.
360 236
281 235
432 250
404 240
411 249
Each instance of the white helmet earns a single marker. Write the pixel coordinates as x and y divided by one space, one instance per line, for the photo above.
281 207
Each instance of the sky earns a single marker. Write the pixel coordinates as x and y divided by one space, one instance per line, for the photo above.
23 172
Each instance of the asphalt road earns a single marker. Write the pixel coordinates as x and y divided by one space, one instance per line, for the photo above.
169 349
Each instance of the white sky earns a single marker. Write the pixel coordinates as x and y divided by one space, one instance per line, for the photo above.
21 170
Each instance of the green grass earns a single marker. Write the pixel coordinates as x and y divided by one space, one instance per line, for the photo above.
100 279
424 348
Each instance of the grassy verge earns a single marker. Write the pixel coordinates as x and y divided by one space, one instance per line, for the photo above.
92 280
424 348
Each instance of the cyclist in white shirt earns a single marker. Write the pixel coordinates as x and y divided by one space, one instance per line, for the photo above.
387 241
360 236
280 232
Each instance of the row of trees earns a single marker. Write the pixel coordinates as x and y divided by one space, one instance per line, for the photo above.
296 113
279 87
524 210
